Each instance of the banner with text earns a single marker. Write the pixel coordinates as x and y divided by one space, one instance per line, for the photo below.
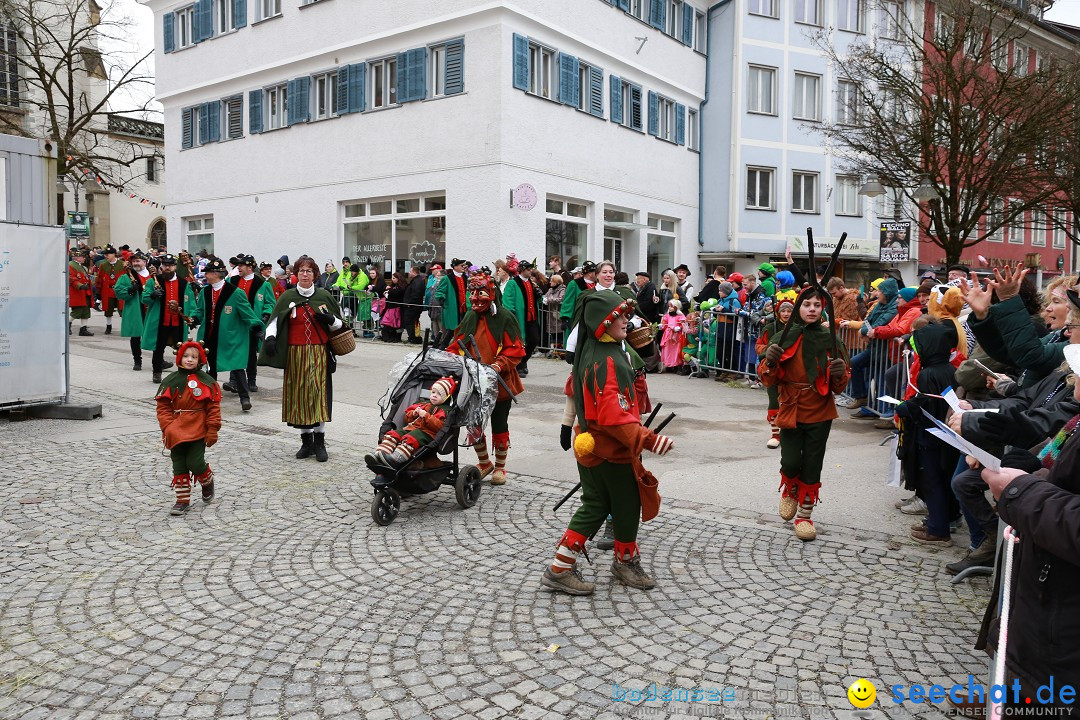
895 242
33 313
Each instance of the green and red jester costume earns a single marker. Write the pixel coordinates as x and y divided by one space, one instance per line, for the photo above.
189 414
608 445
498 339
806 364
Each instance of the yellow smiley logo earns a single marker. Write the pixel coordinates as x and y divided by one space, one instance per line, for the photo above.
862 693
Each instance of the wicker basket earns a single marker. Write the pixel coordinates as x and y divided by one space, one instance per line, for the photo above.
342 342
641 337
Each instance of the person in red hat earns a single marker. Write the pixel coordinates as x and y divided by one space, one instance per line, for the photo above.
424 420
189 414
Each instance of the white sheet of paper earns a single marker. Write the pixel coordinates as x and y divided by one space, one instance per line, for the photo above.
889 399
945 433
950 397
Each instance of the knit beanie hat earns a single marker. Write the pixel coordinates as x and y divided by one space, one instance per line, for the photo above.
726 288
446 385
785 279
907 293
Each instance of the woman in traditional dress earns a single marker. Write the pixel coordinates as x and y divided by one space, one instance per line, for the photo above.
297 336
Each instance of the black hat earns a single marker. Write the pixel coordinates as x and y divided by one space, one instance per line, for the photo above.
525 265
246 260
215 265
125 247
81 252
644 274
137 255
683 267
346 260
588 267
962 268
167 259
234 260
457 261
263 266
110 250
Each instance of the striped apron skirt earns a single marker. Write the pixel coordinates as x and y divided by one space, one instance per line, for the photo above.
307 392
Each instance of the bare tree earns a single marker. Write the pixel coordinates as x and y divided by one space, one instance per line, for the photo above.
69 86
953 100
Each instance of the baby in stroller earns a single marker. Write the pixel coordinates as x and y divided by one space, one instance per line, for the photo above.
425 419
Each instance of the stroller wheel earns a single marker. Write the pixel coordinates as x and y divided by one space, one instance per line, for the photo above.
467 486
385 506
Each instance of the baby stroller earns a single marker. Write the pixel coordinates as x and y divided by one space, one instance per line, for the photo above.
426 471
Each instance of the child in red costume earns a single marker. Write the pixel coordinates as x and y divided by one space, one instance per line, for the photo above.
425 420
189 413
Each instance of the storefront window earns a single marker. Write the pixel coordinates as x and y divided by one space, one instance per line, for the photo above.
374 235
567 231
660 251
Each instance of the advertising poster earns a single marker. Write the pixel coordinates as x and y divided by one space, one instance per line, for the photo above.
895 242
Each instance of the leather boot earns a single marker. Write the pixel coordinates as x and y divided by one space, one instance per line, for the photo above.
182 485
320 447
207 481
85 332
156 378
307 447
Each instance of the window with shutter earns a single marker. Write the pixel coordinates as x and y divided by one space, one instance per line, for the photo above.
411 77
204 123
658 14
596 91
255 111
455 67
187 122
213 121
299 100
234 117
206 16
358 87
680 124
325 95
521 62
616 103
654 117
569 80
167 23
635 107
239 13
343 89
687 25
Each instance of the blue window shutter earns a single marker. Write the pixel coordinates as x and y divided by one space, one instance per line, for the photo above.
654 113
301 99
295 104
186 132
596 91
214 121
521 62
239 13
168 21
357 87
569 80
411 75
204 123
255 114
657 14
616 99
623 5
635 107
203 21
687 25
680 124
343 90
454 75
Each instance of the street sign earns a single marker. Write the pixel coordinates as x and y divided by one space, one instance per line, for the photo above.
78 224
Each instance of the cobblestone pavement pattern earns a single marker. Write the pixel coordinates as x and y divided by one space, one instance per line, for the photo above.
281 599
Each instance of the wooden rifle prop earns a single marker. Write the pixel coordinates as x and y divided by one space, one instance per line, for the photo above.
659 427
816 285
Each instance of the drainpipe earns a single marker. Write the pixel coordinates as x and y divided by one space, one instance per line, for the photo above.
701 124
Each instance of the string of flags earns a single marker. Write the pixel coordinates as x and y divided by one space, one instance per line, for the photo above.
109 184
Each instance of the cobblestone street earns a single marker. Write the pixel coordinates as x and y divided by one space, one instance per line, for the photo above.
282 599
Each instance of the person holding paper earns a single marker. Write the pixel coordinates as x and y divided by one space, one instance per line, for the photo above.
928 461
1042 504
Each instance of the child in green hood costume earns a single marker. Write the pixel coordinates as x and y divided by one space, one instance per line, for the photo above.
610 440
806 365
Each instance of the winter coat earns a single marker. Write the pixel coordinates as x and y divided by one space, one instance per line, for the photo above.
107 275
885 309
649 309
447 296
1045 406
183 416
79 292
129 291
1008 336
229 332
847 308
552 303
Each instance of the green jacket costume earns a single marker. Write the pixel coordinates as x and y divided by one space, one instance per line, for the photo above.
261 297
154 308
514 302
446 295
1008 336
129 290
228 332
280 315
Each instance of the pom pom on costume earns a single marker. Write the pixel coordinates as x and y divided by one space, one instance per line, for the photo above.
584 444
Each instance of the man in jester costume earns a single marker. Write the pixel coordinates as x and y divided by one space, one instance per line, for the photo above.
807 363
608 445
498 339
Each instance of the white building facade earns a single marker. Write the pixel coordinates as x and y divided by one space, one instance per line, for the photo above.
766 173
410 132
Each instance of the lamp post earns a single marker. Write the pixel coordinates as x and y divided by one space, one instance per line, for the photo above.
62 187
